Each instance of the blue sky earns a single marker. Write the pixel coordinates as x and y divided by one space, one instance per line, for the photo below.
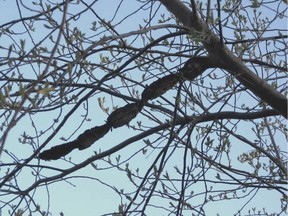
84 194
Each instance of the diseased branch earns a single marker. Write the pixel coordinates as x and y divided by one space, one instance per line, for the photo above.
220 53
123 115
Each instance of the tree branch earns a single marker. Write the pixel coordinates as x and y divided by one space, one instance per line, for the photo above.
221 53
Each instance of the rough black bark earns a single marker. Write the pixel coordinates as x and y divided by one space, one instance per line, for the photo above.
123 115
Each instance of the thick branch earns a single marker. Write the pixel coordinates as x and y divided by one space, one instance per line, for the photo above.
220 52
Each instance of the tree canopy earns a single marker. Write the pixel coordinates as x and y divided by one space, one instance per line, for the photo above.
152 107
